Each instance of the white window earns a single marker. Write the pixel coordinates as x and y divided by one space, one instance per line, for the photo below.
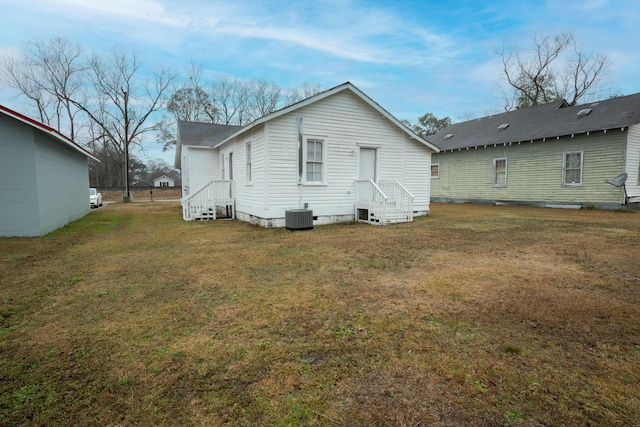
500 172
435 170
572 168
314 160
249 173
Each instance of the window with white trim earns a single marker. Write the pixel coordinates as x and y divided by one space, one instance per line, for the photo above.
500 172
435 170
572 168
249 162
314 160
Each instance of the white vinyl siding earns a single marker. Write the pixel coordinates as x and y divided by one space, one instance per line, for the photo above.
633 162
202 166
343 122
500 172
416 174
250 195
572 168
248 162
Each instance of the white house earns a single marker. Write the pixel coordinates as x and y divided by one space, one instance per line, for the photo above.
44 177
164 181
338 156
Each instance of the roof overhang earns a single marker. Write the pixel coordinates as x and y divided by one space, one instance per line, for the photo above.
48 130
326 94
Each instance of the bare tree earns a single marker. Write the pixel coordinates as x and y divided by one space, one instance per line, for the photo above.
190 101
231 97
106 101
226 100
121 101
555 68
159 167
232 101
264 98
49 74
303 91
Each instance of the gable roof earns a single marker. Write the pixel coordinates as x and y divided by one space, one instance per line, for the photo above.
322 95
212 135
204 134
164 176
551 120
47 130
201 135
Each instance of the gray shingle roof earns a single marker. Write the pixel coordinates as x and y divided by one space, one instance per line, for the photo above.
539 122
204 134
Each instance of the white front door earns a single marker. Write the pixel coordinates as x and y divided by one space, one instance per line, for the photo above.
367 164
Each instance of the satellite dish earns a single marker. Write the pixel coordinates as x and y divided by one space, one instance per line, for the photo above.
619 180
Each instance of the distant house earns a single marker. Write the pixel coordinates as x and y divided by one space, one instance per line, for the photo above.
164 181
141 184
338 155
547 155
44 177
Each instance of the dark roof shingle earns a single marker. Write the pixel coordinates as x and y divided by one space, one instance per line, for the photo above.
204 134
539 122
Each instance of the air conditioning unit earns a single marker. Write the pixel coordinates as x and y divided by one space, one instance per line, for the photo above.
298 219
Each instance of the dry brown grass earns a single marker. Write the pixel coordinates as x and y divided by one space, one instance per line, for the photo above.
475 315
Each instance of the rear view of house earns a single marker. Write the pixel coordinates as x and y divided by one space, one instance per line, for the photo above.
44 177
547 155
337 154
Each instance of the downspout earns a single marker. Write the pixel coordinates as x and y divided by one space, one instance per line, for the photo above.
300 153
300 150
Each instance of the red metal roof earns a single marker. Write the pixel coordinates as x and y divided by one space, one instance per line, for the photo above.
48 130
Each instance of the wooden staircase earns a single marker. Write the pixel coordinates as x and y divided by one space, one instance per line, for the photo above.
381 204
208 201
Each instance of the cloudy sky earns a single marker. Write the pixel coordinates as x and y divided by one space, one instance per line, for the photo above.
412 57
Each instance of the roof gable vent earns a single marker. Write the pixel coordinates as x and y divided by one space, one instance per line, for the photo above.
503 126
448 136
583 112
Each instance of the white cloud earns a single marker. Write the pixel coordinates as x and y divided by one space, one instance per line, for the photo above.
374 37
139 10
340 29
432 56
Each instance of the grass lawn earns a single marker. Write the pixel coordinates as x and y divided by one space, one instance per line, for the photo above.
474 315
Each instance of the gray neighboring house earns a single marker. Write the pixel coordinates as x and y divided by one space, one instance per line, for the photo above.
44 177
548 155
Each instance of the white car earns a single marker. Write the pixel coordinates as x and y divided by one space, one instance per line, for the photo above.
95 198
